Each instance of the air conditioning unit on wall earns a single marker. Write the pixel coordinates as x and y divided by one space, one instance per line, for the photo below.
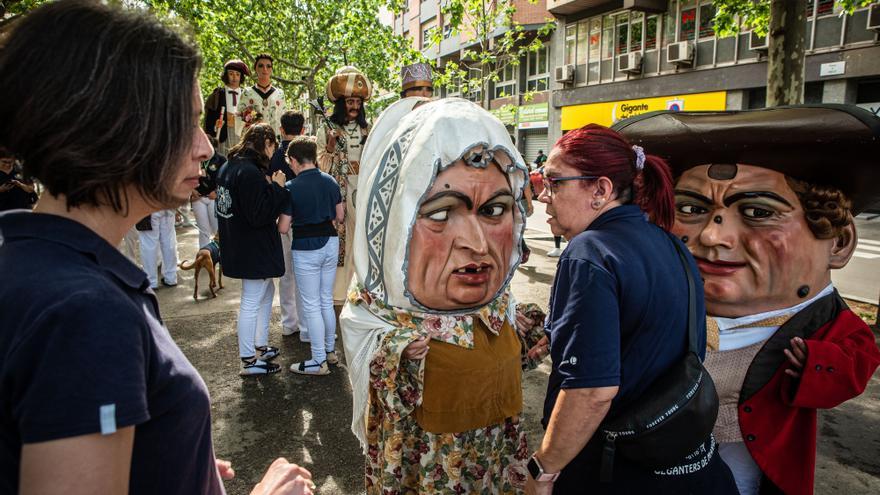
630 62
681 53
874 17
758 43
565 74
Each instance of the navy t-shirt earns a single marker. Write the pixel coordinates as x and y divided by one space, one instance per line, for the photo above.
83 350
618 308
313 199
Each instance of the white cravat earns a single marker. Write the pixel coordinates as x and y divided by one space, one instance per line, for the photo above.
735 333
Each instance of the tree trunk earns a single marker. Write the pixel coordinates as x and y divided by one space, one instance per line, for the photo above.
787 49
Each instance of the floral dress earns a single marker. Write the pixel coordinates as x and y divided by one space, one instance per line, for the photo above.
404 458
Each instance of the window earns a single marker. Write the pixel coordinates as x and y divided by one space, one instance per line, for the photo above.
447 31
687 24
595 37
669 27
651 33
506 85
825 7
426 37
622 23
607 37
636 24
582 43
570 43
538 74
707 20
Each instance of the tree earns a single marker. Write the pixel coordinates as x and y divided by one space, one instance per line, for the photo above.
499 41
784 22
309 40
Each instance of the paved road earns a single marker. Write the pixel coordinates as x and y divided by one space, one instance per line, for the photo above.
306 419
859 279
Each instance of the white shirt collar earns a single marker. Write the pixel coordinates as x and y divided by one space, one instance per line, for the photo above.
742 321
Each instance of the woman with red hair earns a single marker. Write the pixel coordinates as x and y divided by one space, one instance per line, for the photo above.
618 316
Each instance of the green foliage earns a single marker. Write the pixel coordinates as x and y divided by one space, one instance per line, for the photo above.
755 14
499 41
308 39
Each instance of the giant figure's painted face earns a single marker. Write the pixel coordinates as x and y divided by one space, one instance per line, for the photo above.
462 239
747 230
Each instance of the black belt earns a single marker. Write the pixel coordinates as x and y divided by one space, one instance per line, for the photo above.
323 229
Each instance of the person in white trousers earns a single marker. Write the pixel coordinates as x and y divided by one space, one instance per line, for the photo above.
161 237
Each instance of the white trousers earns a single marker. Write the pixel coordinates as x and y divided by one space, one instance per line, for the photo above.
162 238
290 317
128 247
254 314
206 220
315 273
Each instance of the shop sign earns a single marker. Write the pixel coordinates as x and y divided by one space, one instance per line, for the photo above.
608 113
536 112
506 114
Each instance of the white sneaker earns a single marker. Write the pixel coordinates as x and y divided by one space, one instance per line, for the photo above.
287 331
555 253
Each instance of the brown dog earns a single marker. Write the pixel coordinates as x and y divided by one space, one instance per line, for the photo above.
207 257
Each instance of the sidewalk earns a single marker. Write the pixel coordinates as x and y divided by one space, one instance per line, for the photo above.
306 419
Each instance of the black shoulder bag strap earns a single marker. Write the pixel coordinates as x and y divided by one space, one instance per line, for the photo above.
608 451
692 298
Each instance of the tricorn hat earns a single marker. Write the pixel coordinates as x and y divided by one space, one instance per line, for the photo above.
416 75
348 82
831 145
237 65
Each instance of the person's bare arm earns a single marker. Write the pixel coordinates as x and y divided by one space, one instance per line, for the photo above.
85 464
340 212
575 418
284 223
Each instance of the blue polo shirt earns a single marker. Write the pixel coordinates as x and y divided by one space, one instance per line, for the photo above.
83 350
313 199
618 308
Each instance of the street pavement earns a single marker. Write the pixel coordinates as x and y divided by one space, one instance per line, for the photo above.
306 419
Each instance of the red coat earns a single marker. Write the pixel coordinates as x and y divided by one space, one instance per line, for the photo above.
777 414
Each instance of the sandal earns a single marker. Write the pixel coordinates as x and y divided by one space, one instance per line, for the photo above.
258 367
268 352
310 369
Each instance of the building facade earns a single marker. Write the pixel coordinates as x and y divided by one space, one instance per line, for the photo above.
615 59
520 98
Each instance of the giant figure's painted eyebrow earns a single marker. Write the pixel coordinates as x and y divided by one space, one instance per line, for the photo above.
499 193
455 194
691 194
733 198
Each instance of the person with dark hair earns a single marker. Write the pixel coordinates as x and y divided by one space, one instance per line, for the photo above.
313 207
618 316
248 206
765 201
222 121
292 125
262 102
16 192
97 397
339 154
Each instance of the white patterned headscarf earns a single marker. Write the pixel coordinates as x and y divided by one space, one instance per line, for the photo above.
405 152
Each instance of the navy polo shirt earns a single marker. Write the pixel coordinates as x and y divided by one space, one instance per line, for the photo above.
83 350
618 308
278 163
313 199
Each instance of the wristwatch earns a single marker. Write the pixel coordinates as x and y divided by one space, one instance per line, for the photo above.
537 471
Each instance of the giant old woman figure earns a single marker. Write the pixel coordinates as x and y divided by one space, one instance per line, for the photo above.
434 358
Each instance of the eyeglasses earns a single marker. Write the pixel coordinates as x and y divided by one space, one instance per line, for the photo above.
551 184
261 66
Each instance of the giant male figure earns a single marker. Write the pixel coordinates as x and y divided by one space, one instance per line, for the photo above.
765 202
